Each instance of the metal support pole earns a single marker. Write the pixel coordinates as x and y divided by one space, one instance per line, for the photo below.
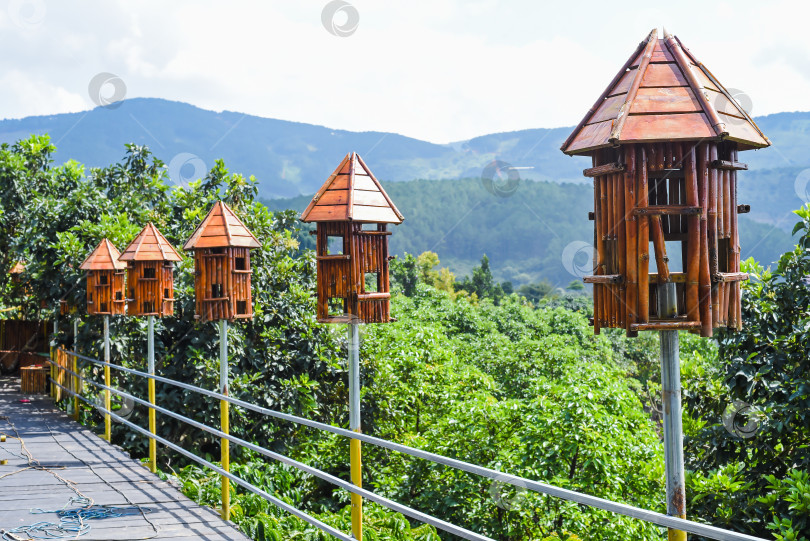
671 402
75 370
224 421
54 369
354 424
150 355
107 424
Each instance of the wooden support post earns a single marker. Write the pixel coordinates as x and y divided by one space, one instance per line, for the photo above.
224 418
107 423
704 277
151 383
712 234
642 200
356 464
632 232
693 239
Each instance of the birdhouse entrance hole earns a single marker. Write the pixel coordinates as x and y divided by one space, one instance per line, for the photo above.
334 245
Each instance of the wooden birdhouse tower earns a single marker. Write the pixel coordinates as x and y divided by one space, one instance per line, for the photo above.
16 273
221 245
150 274
352 212
664 138
105 281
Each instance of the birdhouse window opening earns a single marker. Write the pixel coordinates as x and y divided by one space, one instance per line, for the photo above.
241 308
103 307
369 227
335 245
149 273
240 263
216 291
102 279
132 293
723 248
166 293
372 282
337 306
148 307
118 296
217 251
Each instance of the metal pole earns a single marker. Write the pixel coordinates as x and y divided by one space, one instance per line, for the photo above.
150 356
671 402
54 369
224 421
354 424
107 424
75 369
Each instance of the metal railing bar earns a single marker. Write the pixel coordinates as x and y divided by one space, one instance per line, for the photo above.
400 508
653 517
239 481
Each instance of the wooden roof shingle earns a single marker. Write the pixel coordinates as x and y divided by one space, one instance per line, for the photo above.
663 93
221 228
150 245
352 193
104 257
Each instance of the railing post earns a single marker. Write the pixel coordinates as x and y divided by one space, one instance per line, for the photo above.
223 409
75 369
54 370
671 402
150 341
354 424
107 424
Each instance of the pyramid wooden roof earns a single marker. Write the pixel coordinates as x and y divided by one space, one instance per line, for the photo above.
150 245
221 228
104 257
663 93
352 193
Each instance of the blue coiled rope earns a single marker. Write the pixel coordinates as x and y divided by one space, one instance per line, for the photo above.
72 520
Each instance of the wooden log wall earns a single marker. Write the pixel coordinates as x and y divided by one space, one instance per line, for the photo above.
19 335
223 290
343 276
659 193
105 292
150 287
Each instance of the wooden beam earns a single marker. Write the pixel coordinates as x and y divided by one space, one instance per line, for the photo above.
743 209
729 165
666 210
604 279
730 277
665 326
605 169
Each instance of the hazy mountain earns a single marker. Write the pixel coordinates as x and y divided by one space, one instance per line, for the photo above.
293 159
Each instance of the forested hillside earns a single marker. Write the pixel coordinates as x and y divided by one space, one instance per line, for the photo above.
524 235
468 370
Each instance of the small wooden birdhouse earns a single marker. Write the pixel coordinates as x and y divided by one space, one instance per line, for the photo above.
352 212
221 245
664 139
105 281
150 274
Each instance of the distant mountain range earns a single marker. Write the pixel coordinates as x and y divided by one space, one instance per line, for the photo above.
291 160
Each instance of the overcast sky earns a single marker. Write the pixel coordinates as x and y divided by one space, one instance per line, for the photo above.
439 70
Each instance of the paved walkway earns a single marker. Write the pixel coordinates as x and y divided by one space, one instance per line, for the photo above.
98 470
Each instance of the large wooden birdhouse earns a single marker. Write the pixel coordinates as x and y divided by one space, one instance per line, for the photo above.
105 281
16 273
664 139
150 262
221 245
352 212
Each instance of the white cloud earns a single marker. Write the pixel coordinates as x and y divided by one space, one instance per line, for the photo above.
440 70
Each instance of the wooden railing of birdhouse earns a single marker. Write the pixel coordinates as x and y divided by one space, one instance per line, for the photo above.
76 374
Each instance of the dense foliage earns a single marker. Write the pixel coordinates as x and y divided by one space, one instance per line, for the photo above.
515 381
